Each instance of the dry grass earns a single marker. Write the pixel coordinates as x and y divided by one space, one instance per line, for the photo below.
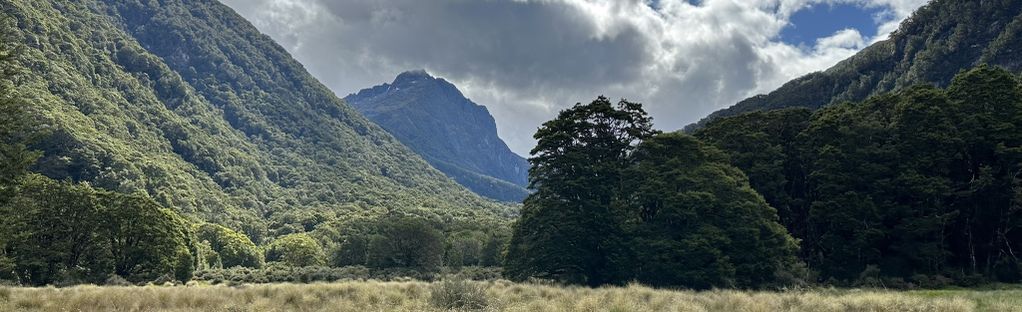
501 296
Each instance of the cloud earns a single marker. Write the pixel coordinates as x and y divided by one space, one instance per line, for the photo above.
527 59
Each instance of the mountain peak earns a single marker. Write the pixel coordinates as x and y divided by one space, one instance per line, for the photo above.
412 76
454 134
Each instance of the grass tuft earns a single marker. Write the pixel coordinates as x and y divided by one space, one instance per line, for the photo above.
458 295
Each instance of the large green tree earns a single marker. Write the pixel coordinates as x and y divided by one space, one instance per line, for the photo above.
232 248
69 232
406 242
987 174
698 223
765 146
146 241
298 250
879 184
569 230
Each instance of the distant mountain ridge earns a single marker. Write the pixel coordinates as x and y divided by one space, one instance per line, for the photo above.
454 134
931 47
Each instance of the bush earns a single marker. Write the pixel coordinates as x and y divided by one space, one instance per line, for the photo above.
930 281
458 295
116 280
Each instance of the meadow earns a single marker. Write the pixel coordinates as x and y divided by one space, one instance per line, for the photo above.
365 296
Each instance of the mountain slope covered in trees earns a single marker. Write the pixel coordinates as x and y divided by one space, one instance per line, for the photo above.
935 43
187 102
452 133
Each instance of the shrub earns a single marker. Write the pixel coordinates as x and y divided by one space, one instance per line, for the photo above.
116 280
458 295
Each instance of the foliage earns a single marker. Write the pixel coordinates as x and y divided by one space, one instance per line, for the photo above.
412 242
697 223
408 243
231 248
931 47
917 186
765 146
189 103
616 202
276 272
297 250
70 233
569 230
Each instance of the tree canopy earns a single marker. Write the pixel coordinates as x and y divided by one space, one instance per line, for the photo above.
906 186
615 202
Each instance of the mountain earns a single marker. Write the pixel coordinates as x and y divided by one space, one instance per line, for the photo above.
938 41
452 133
186 101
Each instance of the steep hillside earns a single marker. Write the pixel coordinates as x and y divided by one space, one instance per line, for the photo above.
938 41
452 133
188 102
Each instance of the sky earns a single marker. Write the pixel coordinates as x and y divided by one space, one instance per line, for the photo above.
525 60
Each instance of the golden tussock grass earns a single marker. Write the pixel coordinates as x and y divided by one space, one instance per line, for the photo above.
486 296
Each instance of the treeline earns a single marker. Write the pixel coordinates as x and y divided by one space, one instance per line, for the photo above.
921 188
64 233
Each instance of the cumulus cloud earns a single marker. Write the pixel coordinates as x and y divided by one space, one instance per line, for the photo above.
527 59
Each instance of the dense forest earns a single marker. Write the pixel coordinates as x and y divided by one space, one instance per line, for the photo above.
65 233
917 184
147 140
187 102
921 187
930 47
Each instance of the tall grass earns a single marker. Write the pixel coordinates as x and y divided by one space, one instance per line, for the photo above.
484 296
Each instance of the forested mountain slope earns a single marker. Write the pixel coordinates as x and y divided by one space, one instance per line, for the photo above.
452 133
939 40
188 102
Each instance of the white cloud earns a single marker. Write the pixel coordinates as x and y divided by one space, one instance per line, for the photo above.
527 59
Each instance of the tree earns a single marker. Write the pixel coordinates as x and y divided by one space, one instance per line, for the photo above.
298 250
232 248
568 230
146 241
878 180
464 248
69 233
55 233
988 232
15 135
921 182
767 148
406 242
696 221
353 250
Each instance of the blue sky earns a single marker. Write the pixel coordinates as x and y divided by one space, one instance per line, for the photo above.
527 59
822 20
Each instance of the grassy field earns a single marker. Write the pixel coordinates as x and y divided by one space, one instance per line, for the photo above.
486 296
